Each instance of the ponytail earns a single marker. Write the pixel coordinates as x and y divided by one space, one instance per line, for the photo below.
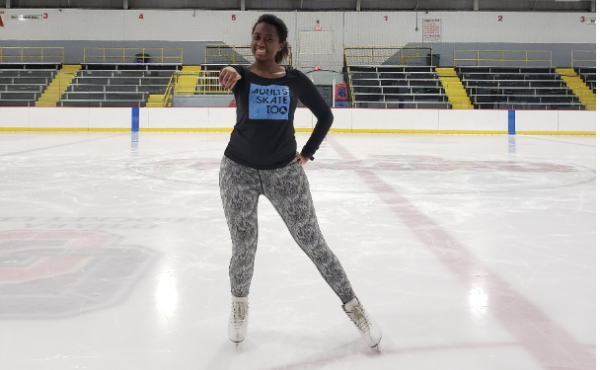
283 53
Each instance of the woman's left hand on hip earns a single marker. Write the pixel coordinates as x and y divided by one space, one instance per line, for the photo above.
301 159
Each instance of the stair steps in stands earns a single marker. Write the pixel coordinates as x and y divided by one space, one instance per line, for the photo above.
155 100
58 86
457 95
585 95
188 79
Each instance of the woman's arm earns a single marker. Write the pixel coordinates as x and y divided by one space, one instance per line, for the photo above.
228 77
310 96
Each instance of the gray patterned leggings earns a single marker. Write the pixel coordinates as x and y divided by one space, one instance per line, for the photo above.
288 190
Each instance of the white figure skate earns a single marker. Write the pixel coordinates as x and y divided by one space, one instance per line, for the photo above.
367 327
238 319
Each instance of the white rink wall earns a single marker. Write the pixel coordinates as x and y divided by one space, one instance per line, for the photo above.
346 120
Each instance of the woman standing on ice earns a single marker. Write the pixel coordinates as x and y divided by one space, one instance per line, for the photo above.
261 159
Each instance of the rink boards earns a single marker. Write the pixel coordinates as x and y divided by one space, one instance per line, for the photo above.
346 120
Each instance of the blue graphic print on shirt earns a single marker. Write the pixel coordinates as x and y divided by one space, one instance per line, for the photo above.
269 102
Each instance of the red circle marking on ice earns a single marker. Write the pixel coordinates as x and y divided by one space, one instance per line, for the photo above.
50 266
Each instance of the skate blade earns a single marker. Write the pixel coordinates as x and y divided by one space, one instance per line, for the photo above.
377 348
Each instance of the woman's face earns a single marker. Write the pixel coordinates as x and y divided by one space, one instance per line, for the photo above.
265 42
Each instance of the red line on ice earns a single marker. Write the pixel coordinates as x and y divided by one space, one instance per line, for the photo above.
551 345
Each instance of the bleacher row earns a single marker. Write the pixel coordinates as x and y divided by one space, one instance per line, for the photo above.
23 87
370 87
89 88
487 87
115 88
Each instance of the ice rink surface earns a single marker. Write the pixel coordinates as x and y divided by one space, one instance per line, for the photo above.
473 252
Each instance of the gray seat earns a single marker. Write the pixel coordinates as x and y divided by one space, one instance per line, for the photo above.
123 88
125 96
23 88
96 73
84 88
156 81
158 89
16 103
82 96
34 73
125 81
31 81
101 103
90 81
123 103
78 103
18 96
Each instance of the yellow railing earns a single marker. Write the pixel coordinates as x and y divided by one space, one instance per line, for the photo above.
170 91
350 90
390 55
30 54
235 54
208 83
491 58
583 58
133 55
166 99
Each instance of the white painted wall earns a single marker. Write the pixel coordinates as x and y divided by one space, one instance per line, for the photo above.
350 28
366 28
325 47
339 29
119 25
406 120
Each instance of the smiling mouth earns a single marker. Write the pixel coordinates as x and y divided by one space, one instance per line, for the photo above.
261 51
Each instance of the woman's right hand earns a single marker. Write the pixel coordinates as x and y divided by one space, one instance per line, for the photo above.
229 77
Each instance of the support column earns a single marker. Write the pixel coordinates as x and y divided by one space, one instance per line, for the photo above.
593 6
7 4
125 4
243 5
476 5
358 5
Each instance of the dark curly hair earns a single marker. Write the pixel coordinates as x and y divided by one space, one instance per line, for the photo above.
282 33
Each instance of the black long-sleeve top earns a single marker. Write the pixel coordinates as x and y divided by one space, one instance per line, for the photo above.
264 136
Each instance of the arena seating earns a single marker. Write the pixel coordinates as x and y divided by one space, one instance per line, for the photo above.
517 88
115 88
22 87
370 86
588 75
396 87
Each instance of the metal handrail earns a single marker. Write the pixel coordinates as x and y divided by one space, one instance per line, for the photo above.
208 83
350 89
573 60
170 91
370 53
239 50
130 55
43 53
478 58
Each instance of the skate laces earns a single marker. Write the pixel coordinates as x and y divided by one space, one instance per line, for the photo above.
239 312
360 318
